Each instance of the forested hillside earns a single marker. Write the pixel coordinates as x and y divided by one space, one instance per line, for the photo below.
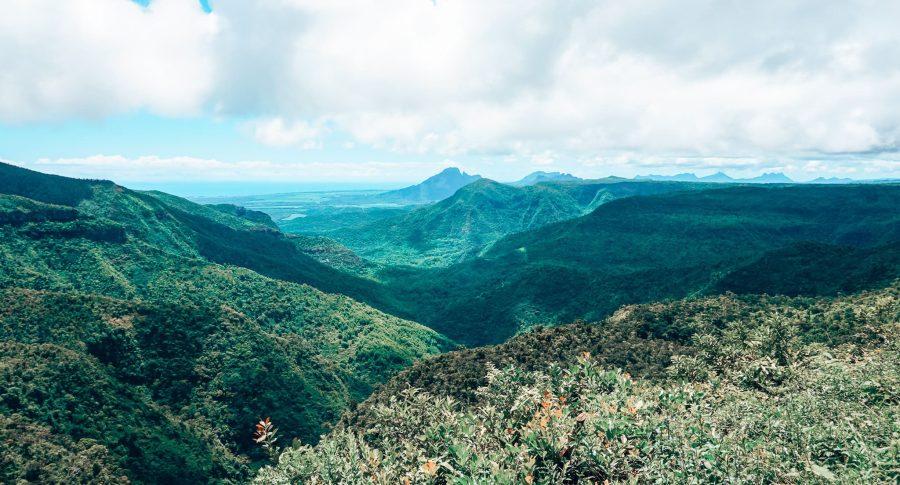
143 334
737 389
323 213
142 329
650 248
449 242
467 223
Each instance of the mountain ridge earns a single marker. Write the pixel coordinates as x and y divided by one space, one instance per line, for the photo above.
541 176
149 291
460 226
644 248
721 177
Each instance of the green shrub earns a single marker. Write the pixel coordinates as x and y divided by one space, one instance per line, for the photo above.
755 403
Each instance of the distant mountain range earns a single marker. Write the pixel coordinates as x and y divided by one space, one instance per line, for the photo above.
766 178
538 177
831 180
720 178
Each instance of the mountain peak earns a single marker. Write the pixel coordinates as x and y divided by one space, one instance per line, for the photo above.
449 174
681 177
831 180
541 176
770 178
434 188
717 177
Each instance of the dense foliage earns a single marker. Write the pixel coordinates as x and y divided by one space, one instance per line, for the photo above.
119 328
144 338
461 226
33 453
651 248
791 391
815 269
639 339
326 220
641 241
75 396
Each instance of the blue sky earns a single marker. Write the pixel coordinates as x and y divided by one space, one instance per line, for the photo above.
140 133
204 4
334 93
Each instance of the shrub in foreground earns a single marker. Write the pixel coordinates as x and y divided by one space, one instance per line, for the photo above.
752 405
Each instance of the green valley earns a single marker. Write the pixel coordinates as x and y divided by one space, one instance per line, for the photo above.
649 248
456 242
467 223
144 334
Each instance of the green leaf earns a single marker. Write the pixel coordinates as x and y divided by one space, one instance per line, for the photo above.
821 471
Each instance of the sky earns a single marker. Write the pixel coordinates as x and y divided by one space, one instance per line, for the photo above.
342 93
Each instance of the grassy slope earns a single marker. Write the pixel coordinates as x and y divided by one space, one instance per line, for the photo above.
236 343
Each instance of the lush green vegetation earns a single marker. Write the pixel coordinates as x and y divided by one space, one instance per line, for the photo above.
256 217
651 248
124 338
321 213
142 336
757 391
51 189
639 339
464 225
66 393
325 220
645 241
34 454
815 269
329 252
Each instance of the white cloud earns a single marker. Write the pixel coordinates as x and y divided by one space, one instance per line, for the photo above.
542 160
536 79
93 58
276 132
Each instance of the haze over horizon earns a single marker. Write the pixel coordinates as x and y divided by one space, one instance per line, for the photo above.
183 94
204 189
